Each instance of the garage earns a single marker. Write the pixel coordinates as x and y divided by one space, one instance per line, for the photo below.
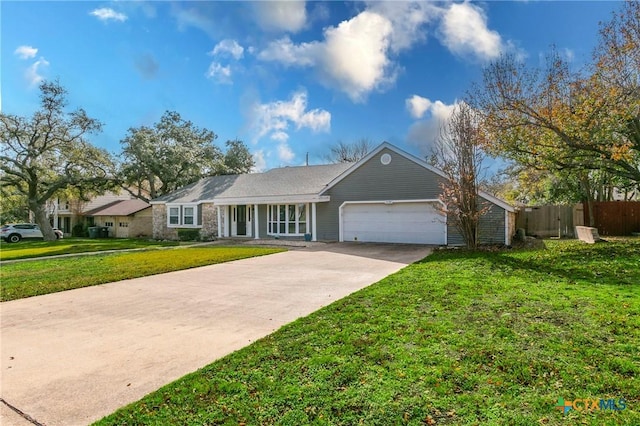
414 222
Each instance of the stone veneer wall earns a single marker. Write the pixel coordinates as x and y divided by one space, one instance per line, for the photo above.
160 229
209 229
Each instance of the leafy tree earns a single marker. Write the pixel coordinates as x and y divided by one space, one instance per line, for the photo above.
583 125
13 205
47 153
348 153
552 119
457 152
237 159
170 154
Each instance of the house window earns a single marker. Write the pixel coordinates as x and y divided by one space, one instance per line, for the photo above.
123 224
174 215
287 219
188 216
108 224
182 215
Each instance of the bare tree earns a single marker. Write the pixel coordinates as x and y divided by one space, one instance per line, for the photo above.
349 152
457 152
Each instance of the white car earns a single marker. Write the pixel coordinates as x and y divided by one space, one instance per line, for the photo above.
14 232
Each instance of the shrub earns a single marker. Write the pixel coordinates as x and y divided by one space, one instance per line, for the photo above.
80 229
189 234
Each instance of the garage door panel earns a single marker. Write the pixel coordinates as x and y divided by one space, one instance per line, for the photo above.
400 222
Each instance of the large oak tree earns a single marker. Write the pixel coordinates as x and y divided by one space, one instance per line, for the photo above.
173 153
48 152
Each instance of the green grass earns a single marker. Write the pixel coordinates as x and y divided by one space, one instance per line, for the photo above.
30 249
492 338
37 277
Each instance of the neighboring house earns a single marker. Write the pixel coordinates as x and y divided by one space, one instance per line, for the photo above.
387 196
124 218
65 214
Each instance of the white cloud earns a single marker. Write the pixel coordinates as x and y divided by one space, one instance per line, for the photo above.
417 105
196 16
285 153
464 31
33 73
423 133
228 47
107 14
352 57
287 53
26 52
290 16
275 119
408 20
259 162
219 73
355 57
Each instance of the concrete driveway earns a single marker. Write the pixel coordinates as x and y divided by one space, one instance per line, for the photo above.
71 358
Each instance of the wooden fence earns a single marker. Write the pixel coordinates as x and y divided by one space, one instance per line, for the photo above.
615 217
550 221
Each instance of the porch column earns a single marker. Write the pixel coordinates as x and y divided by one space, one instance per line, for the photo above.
219 221
227 230
314 221
256 221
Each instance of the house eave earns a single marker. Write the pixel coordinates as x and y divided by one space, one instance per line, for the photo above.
271 199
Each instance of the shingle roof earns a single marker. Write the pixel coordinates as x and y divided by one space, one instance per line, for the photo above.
119 208
285 181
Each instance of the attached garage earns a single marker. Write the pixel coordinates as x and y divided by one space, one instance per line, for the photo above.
414 222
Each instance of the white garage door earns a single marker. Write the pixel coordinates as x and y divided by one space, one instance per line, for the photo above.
398 222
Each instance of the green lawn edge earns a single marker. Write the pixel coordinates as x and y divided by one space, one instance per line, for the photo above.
459 338
33 249
39 277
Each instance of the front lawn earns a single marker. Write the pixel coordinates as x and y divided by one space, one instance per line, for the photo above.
29 249
457 339
33 278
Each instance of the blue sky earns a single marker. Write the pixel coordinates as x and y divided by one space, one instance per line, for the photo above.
288 78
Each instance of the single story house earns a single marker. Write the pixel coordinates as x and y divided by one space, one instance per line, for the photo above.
387 196
124 218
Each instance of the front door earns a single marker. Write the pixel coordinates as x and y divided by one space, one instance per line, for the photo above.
241 220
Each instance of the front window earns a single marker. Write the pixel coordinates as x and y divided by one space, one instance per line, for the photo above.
174 215
182 215
188 216
287 219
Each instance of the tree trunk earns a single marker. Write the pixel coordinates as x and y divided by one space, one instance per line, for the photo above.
40 217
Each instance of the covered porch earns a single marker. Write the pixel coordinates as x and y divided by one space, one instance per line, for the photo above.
269 218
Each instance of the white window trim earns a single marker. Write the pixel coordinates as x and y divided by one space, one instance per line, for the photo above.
181 208
286 222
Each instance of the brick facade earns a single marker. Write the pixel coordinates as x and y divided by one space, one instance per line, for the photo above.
160 229
209 230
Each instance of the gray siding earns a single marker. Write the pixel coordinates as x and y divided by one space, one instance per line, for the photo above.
402 179
262 219
491 227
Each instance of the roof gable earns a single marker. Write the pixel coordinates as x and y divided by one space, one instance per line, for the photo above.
414 159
